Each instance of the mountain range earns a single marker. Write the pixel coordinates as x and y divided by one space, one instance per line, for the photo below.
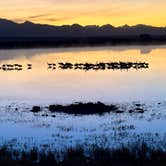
28 29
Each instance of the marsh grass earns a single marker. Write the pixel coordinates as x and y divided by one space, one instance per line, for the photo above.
140 155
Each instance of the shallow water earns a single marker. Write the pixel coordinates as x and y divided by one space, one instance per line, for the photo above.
22 128
40 85
66 86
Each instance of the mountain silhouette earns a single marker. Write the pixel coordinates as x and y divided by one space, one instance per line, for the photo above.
28 29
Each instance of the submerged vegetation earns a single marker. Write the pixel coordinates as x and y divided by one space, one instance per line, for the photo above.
140 155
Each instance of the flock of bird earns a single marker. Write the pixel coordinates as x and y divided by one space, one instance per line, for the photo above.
14 67
82 66
100 66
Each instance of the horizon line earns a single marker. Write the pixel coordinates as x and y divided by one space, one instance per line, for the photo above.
123 25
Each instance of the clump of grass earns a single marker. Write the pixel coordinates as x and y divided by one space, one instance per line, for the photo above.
36 109
89 108
84 108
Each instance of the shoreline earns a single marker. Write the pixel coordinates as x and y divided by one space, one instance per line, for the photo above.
53 42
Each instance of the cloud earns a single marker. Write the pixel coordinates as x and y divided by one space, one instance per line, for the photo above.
37 16
44 17
60 19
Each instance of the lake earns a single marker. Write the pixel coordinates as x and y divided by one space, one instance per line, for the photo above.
107 74
41 84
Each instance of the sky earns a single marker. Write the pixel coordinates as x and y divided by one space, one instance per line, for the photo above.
86 12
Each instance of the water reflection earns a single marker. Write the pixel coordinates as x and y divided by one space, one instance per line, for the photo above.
9 54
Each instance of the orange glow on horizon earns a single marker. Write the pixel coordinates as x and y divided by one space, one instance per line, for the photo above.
84 12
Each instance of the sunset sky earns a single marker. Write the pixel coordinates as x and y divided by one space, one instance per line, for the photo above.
85 12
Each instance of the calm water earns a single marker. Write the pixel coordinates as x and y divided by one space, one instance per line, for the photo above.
40 85
64 86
